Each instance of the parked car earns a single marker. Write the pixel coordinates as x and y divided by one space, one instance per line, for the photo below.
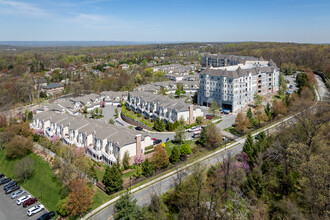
191 129
4 180
2 175
290 86
138 128
157 141
13 183
209 117
17 193
47 216
23 199
35 210
12 189
29 202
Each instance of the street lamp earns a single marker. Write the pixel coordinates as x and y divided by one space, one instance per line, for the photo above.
130 187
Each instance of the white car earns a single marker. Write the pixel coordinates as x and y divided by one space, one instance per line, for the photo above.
17 193
191 129
22 199
35 210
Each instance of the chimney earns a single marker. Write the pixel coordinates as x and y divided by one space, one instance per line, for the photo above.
191 114
138 144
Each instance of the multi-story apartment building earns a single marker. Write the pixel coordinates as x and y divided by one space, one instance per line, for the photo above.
233 87
220 60
103 142
157 106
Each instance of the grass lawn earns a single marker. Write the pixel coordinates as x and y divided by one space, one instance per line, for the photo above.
231 130
169 146
42 181
100 198
128 174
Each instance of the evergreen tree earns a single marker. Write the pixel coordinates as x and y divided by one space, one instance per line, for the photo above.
148 168
214 108
175 155
159 125
30 116
92 172
126 208
203 136
268 111
249 114
113 179
248 148
126 160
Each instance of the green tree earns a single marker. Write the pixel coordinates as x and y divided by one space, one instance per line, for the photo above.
127 209
113 179
203 136
175 155
214 108
257 99
249 149
268 111
185 149
301 79
111 121
249 114
148 168
126 160
283 85
30 116
24 169
182 122
180 134
159 125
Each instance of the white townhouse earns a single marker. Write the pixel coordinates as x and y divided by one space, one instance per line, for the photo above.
103 142
233 87
113 98
92 101
157 106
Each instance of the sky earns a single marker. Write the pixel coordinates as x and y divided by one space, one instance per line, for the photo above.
304 21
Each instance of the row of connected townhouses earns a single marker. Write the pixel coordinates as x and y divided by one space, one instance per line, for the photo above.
233 87
157 106
90 102
103 142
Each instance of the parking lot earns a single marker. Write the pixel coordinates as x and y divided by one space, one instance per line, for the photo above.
10 210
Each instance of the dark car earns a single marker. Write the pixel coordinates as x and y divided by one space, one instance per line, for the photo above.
30 201
138 128
2 175
12 189
47 216
9 185
5 180
158 141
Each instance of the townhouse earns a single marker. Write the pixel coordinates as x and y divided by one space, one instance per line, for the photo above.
233 87
102 142
113 98
156 106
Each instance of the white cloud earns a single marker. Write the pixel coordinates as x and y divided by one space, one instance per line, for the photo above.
21 8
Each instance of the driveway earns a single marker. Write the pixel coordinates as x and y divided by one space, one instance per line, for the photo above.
292 81
10 210
227 121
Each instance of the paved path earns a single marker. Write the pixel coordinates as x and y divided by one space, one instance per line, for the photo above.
323 90
162 184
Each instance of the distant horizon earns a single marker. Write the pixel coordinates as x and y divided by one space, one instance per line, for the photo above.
300 21
40 43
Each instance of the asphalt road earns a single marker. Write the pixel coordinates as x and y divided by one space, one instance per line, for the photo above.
143 196
323 90
10 210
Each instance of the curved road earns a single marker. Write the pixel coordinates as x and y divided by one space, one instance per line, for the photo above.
161 185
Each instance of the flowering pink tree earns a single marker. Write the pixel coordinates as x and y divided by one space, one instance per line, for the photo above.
55 138
139 159
39 132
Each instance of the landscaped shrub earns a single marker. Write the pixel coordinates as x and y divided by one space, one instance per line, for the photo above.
185 149
149 147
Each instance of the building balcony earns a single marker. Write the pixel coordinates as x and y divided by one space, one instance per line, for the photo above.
67 140
49 132
96 155
108 158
